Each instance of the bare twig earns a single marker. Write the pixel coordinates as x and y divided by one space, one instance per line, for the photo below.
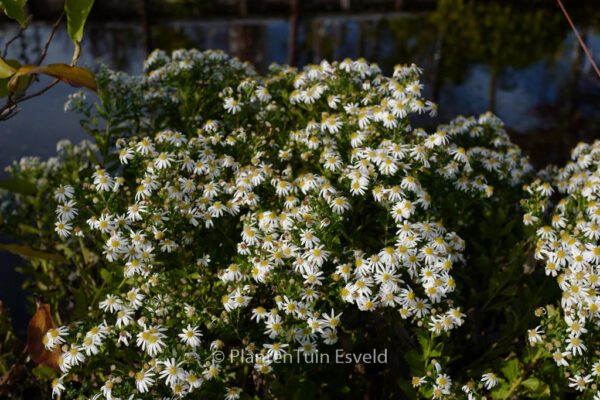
10 109
581 42
9 42
55 27
39 92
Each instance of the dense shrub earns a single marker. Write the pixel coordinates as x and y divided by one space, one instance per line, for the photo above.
288 217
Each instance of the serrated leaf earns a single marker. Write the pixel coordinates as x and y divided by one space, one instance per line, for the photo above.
18 186
28 252
14 9
74 76
77 12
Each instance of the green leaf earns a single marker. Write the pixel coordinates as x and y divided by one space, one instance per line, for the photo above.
28 229
28 252
407 389
532 384
6 70
106 275
18 186
502 391
44 373
437 350
77 12
14 9
511 369
423 339
81 305
305 390
194 276
415 362
14 64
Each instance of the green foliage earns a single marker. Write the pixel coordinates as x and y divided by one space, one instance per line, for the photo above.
14 9
77 12
6 70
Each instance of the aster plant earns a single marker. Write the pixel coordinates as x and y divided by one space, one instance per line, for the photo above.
223 221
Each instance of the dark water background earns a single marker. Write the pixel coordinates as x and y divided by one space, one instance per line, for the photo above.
525 65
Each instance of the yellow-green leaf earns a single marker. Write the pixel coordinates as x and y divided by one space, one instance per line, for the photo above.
77 12
14 9
6 70
28 252
14 64
74 76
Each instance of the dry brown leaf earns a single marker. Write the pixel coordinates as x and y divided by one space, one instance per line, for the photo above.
38 326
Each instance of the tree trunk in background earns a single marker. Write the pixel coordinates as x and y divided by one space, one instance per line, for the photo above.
492 88
576 64
144 13
243 8
437 70
293 32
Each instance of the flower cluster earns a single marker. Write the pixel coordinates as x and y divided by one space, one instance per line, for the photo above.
564 208
259 222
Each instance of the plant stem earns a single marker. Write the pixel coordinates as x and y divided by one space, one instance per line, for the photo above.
515 385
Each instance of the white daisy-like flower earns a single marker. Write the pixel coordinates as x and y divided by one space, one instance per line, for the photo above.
190 336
